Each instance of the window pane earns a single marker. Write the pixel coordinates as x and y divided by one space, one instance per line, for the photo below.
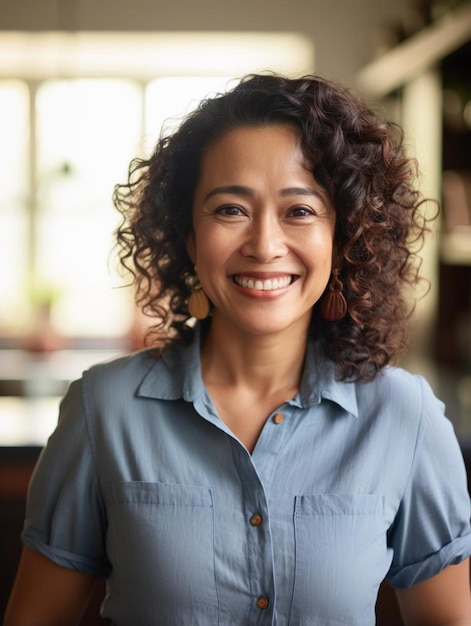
88 130
14 166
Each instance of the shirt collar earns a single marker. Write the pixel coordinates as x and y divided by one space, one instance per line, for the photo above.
178 375
319 382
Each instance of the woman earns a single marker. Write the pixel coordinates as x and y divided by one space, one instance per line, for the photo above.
266 465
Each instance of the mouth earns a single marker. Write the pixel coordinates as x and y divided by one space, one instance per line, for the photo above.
268 284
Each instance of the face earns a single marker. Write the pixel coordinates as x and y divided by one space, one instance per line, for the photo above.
263 231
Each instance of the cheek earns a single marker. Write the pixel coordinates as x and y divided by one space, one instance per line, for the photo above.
209 260
212 246
321 248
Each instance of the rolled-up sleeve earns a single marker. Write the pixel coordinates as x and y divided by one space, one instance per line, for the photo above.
432 527
65 516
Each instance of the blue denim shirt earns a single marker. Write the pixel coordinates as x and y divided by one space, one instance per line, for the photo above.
349 483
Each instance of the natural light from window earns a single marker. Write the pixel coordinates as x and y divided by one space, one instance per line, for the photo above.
72 119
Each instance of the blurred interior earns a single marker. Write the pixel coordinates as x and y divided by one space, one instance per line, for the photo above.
85 87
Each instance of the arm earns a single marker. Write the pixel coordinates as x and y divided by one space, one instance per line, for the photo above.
443 600
45 593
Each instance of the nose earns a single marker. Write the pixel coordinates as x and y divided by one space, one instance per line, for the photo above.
265 239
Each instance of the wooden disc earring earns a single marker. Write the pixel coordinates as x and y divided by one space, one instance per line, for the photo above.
198 302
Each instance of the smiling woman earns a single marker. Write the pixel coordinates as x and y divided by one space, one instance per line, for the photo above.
240 471
260 219
359 169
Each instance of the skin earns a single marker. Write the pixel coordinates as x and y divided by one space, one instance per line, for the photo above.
258 214
443 600
46 594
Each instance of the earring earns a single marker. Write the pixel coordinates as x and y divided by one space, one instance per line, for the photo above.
198 302
334 305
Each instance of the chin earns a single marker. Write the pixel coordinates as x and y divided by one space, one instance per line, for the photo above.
267 326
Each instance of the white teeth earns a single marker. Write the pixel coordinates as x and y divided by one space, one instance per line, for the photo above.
263 285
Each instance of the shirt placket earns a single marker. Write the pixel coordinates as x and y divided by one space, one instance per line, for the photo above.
259 540
255 475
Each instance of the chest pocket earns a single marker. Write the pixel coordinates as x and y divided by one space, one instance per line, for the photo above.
341 558
160 545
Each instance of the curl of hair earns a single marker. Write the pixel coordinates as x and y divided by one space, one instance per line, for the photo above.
359 160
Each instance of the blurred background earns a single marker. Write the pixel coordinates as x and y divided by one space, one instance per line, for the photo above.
85 86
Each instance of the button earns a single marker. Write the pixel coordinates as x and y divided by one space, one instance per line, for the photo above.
256 519
262 602
278 418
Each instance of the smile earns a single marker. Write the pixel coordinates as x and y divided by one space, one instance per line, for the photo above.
263 285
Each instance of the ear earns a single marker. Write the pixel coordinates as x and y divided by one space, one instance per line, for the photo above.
191 247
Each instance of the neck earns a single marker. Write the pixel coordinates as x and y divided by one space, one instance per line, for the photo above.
263 363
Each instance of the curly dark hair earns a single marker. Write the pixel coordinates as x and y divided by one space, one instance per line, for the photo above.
356 156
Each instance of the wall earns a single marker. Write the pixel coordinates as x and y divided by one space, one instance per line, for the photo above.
344 31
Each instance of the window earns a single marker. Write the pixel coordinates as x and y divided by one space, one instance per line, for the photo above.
87 130
14 226
66 141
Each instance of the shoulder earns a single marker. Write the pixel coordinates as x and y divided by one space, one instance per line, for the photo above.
402 405
399 390
121 375
397 378
107 400
143 374
126 369
105 386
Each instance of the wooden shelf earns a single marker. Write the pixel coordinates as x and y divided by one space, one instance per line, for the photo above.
416 54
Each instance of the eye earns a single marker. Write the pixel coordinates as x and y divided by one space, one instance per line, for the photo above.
301 211
230 209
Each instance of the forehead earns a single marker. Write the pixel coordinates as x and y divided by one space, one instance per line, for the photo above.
258 162
249 133
253 148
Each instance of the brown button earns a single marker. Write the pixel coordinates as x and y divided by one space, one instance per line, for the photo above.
278 418
262 602
256 519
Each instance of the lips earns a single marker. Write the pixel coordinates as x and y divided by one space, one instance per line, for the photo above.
268 284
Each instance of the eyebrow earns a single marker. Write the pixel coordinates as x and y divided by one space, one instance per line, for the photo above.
241 190
301 191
